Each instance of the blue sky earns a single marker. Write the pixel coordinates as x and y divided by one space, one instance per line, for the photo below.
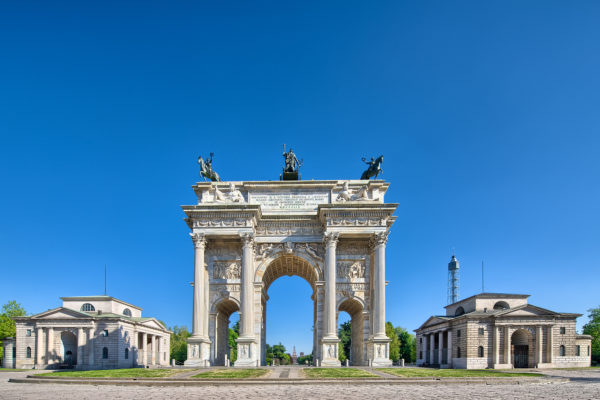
486 113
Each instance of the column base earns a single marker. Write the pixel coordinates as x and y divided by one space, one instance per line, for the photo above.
329 352
247 353
198 352
378 351
503 366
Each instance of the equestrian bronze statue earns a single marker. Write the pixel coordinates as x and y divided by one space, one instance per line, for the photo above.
206 170
374 168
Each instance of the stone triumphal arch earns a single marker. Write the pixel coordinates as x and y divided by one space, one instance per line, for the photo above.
247 234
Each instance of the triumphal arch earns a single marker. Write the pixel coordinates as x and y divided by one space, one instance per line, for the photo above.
247 234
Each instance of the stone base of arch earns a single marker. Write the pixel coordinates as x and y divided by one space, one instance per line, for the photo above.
247 353
198 354
329 352
378 350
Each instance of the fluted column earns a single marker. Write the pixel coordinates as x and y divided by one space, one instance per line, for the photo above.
330 240
90 346
496 339
449 354
432 348
440 347
379 241
199 296
507 345
247 292
144 348
50 346
538 344
39 347
550 355
153 350
424 348
80 346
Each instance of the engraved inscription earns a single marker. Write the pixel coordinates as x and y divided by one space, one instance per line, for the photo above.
289 200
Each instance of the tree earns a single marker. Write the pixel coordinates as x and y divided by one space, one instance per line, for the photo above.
408 345
278 351
7 324
305 359
345 335
179 338
395 343
593 328
234 333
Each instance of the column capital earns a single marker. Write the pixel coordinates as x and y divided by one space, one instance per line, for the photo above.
199 240
331 238
247 239
379 239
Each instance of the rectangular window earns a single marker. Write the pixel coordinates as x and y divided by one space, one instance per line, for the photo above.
562 330
578 350
458 333
420 355
481 331
28 333
105 332
421 340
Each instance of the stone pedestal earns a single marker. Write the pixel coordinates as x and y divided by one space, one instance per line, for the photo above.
247 353
378 350
329 352
198 352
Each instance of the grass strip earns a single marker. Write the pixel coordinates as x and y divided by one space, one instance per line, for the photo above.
114 373
337 373
230 373
454 373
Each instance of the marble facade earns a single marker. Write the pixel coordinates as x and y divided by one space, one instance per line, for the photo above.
246 235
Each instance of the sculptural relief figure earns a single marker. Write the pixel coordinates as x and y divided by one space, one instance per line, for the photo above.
356 270
243 351
219 196
331 351
193 351
362 194
380 351
312 252
233 271
344 194
235 195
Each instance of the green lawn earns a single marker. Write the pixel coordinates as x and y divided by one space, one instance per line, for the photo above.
114 373
12 370
338 373
453 373
230 373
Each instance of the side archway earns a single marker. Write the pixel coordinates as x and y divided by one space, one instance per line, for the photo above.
522 347
222 310
355 307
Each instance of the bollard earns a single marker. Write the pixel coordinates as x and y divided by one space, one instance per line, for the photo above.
347 362
402 362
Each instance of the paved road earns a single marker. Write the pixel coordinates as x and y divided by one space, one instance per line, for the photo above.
587 386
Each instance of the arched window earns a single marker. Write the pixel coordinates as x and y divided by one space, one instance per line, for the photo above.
458 352
28 355
459 311
126 353
105 352
87 307
480 351
127 312
501 305
562 350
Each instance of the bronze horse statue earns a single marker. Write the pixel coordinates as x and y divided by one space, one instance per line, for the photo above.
374 168
206 170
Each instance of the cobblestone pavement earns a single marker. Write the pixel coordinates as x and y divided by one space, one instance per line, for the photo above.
587 387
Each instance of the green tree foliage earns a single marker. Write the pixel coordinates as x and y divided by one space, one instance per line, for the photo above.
345 335
7 325
234 333
593 328
305 359
179 343
390 332
278 351
408 345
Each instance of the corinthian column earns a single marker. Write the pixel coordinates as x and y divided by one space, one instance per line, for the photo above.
247 290
379 240
330 240
199 309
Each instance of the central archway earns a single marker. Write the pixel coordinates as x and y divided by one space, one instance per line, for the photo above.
289 265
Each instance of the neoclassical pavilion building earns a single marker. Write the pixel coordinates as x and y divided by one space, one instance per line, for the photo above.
500 330
247 234
89 332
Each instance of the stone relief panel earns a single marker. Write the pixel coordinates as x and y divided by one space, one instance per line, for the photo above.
289 230
360 194
229 269
353 248
351 269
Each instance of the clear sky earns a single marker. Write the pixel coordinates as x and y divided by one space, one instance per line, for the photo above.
487 114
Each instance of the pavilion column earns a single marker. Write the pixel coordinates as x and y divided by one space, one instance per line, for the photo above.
550 357
90 346
432 348
449 350
153 350
538 344
495 339
144 348
80 346
50 346
507 359
199 282
424 348
39 347
440 347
